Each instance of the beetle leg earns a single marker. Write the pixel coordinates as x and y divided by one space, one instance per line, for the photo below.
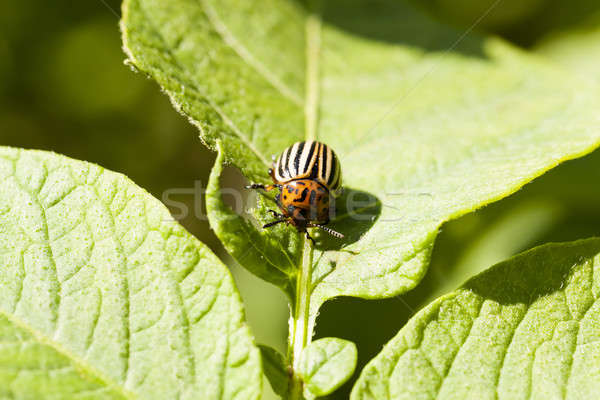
276 214
310 238
261 186
270 224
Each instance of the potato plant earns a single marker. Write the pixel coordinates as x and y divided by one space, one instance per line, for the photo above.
103 295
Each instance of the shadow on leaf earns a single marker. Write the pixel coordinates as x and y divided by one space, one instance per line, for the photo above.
354 213
399 22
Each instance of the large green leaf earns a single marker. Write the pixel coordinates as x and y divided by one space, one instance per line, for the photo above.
526 328
104 295
429 123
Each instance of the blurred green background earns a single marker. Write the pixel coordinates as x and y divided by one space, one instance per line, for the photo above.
64 87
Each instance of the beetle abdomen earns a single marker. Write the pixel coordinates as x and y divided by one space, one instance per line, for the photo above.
306 195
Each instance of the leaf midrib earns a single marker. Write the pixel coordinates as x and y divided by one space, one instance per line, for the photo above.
330 359
311 101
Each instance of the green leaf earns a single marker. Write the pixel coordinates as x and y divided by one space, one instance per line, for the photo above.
428 124
527 327
275 369
325 365
104 295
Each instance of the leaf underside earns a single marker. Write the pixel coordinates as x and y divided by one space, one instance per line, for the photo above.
427 127
104 295
526 328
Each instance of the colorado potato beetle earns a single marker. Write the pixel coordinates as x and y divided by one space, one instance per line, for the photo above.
308 176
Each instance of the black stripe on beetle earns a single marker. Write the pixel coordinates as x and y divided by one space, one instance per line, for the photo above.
303 195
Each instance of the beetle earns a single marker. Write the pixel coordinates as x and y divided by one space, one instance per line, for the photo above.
308 175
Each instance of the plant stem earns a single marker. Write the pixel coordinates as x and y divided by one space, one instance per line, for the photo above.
300 337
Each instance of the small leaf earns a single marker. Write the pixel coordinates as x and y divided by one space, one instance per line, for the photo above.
104 295
325 365
527 327
428 124
275 369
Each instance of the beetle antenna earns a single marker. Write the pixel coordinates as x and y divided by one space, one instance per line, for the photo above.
270 224
328 230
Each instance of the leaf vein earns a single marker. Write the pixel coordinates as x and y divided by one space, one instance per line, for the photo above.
577 344
455 355
245 55
505 352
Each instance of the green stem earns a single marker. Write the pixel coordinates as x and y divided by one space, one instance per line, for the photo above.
300 337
